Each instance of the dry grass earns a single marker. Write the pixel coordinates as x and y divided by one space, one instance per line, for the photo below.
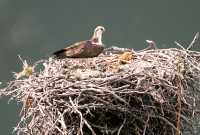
153 92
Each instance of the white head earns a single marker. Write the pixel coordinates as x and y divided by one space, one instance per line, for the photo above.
152 44
97 36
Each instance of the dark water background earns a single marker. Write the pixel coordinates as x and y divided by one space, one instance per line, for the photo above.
34 29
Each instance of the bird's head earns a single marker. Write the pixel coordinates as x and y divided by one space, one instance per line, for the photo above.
152 44
97 36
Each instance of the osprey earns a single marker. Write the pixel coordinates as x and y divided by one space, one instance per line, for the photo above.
84 49
152 45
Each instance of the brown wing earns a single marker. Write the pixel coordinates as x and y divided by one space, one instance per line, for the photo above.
72 51
92 50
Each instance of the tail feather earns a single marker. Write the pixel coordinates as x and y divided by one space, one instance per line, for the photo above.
59 53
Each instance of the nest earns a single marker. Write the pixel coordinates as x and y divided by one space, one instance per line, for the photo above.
153 92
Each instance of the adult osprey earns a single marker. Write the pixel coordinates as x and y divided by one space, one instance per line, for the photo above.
84 49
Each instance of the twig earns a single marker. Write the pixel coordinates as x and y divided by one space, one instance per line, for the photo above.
145 126
120 128
196 37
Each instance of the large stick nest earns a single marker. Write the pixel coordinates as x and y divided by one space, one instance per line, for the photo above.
154 92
